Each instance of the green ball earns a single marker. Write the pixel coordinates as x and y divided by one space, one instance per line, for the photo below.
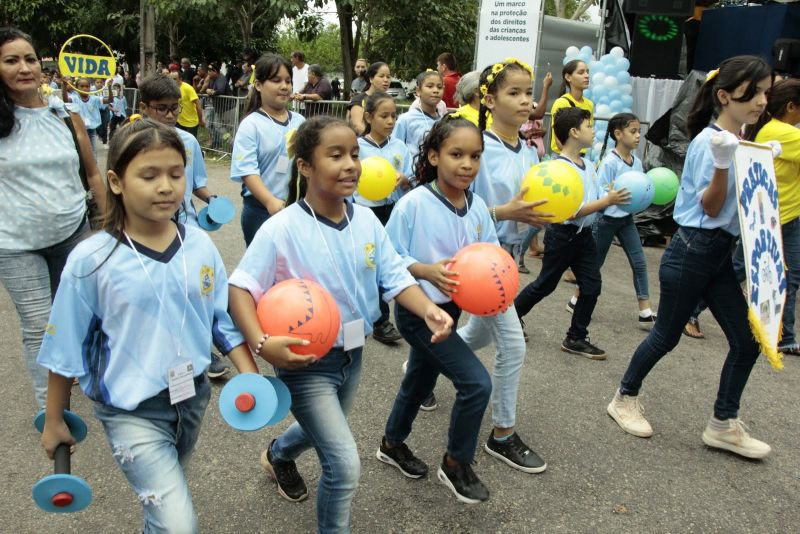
666 184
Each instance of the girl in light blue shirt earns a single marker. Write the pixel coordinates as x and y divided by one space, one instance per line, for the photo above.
697 263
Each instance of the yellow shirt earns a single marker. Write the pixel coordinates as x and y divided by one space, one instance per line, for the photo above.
188 115
564 102
471 114
787 166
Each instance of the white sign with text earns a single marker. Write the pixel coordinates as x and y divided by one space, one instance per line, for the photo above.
508 28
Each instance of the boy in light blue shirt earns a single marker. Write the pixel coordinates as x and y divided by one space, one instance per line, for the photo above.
572 245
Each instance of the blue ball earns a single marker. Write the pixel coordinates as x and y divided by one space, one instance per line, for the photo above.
640 187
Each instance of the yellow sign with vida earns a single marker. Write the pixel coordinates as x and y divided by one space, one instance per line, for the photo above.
83 56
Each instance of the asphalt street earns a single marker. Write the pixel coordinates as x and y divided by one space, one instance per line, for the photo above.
599 479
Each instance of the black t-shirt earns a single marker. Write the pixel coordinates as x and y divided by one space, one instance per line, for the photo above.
357 100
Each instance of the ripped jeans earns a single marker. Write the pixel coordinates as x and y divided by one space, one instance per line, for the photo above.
152 445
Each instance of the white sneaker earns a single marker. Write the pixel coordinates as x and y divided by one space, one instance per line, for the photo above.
735 439
628 412
405 366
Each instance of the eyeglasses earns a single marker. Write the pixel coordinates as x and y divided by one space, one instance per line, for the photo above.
163 110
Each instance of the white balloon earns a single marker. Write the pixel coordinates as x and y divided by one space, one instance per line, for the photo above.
598 77
626 89
610 81
617 52
604 110
572 51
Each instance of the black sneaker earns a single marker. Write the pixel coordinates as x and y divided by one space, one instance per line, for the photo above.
463 482
582 347
524 333
402 458
218 368
647 323
515 453
386 333
429 404
291 485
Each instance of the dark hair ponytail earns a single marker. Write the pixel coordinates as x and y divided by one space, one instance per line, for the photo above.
302 145
424 171
620 121
267 67
733 72
371 103
569 68
7 119
781 95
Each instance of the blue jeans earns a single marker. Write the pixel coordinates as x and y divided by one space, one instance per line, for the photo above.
31 278
505 331
93 140
697 265
426 361
322 395
526 243
254 214
604 231
565 247
152 446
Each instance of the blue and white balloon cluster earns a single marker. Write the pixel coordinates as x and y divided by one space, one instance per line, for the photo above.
609 87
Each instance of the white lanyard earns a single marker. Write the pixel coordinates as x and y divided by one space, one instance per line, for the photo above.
350 303
463 234
158 296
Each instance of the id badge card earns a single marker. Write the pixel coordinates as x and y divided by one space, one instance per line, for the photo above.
282 166
181 382
353 334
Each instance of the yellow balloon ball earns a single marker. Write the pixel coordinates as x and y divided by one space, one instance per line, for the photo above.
560 184
378 178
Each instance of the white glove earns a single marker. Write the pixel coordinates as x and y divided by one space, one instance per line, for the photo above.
777 150
723 145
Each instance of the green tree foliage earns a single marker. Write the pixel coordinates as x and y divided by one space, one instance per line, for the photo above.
324 50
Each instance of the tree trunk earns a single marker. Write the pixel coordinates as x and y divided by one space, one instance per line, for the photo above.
344 11
174 40
581 9
147 39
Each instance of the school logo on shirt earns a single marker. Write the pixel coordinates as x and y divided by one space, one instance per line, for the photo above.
398 162
478 231
206 279
50 329
369 255
188 157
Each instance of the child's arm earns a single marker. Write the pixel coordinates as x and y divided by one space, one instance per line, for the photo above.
439 322
96 184
437 274
276 349
263 194
55 430
614 196
541 105
357 119
723 146
520 210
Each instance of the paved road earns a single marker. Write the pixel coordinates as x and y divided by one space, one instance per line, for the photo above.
598 480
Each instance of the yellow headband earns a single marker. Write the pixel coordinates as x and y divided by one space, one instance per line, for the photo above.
711 75
135 117
497 68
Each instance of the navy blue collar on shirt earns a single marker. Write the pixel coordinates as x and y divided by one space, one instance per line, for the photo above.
623 160
341 225
373 143
163 257
461 212
581 165
496 138
273 119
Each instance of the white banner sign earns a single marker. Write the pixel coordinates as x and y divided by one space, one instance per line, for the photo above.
508 28
760 223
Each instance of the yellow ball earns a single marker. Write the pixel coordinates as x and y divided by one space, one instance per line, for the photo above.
557 182
378 178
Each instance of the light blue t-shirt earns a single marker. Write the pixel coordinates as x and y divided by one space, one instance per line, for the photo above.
426 228
196 175
89 110
698 170
499 179
260 148
42 200
591 191
108 328
291 245
412 127
395 152
611 168
120 104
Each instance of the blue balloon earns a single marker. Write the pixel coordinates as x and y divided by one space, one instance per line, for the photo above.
616 106
640 186
623 77
614 94
627 100
607 60
586 51
566 60
599 91
623 63
610 69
